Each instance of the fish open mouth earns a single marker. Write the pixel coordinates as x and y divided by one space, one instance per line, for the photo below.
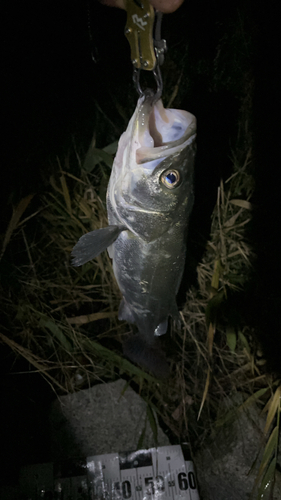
161 131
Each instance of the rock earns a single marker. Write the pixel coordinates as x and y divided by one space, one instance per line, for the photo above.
226 468
100 420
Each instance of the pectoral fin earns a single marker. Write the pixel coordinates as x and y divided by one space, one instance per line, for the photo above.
161 328
90 245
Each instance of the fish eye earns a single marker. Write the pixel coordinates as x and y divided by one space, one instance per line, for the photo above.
170 178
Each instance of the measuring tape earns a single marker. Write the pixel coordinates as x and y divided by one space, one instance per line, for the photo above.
163 473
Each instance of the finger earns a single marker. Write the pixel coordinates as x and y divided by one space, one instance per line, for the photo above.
114 3
165 6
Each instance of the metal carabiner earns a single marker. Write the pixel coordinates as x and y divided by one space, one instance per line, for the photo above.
157 77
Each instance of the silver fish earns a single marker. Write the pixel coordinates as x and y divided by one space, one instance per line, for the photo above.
149 201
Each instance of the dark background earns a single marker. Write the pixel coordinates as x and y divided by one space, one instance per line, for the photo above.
54 97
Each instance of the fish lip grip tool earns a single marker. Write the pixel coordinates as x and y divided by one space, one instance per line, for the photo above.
143 32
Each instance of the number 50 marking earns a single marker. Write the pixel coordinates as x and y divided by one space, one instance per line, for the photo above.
152 485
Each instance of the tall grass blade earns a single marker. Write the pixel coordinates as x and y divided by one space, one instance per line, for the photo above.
57 332
17 213
274 406
153 424
266 486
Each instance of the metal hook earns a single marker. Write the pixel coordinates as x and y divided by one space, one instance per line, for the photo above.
136 80
157 77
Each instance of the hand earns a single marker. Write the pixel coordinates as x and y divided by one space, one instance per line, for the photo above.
165 6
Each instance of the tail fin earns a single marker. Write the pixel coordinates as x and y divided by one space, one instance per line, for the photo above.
149 356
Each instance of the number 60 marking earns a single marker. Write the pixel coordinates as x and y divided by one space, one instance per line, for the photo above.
184 480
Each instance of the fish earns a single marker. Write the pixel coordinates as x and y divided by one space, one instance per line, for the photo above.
149 202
